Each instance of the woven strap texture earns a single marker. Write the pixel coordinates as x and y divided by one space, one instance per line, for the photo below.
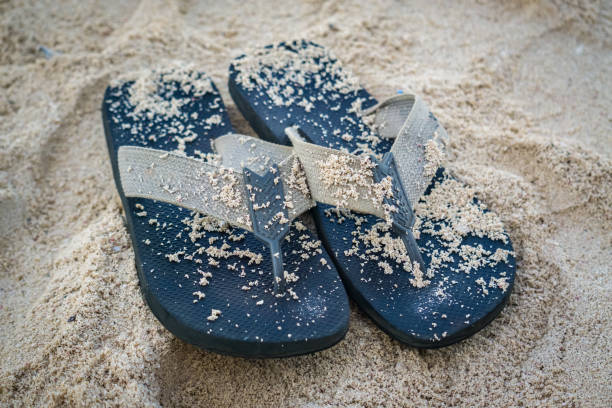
210 189
308 172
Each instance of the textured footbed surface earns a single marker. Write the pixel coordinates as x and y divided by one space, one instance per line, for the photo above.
283 85
187 272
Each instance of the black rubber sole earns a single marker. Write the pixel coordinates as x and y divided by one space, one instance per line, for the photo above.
411 341
267 134
237 348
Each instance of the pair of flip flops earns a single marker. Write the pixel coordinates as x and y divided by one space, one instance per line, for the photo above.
224 258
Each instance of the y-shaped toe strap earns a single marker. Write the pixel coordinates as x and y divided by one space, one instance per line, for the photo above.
388 188
261 200
261 187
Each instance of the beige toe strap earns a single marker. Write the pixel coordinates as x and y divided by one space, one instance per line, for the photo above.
345 180
209 188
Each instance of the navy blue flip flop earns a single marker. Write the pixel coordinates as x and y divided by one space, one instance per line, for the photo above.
209 283
470 273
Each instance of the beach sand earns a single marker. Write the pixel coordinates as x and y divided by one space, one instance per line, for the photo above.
523 87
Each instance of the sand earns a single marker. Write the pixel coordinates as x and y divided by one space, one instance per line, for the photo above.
524 88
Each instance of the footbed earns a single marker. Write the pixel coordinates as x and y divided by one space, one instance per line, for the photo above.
453 306
277 328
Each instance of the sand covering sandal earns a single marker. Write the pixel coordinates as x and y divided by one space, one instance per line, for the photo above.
416 250
222 259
